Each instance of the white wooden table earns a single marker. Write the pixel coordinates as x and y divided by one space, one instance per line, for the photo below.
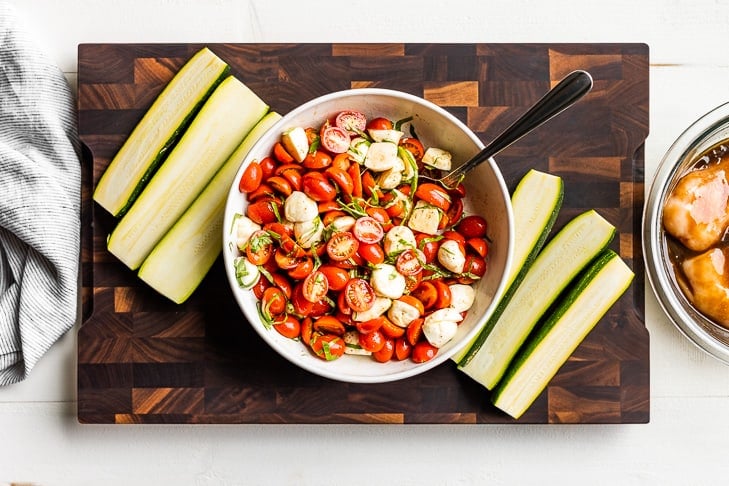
687 439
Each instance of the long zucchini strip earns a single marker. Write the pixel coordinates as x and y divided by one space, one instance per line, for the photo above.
536 202
555 267
575 316
223 122
183 257
158 130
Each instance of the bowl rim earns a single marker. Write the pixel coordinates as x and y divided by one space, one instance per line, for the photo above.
670 298
420 368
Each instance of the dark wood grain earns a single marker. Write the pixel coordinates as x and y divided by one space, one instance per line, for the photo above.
142 359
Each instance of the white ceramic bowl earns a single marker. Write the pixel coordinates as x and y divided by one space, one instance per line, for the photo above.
703 134
487 195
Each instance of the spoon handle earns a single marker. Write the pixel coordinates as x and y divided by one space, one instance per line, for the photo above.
570 89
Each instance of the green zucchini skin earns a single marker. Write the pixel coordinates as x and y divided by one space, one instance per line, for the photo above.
549 190
179 262
159 130
220 126
605 280
561 260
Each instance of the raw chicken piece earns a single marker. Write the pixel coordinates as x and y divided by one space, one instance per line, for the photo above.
697 211
708 279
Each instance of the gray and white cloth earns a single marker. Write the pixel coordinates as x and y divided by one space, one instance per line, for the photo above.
40 179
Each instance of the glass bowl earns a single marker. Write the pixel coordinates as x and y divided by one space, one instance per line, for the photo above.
707 131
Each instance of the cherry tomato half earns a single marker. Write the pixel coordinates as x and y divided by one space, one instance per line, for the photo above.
385 353
413 146
359 294
410 261
372 341
342 245
434 194
379 123
368 230
423 351
371 252
473 226
259 248
251 178
327 346
353 122
335 139
315 286
336 277
289 326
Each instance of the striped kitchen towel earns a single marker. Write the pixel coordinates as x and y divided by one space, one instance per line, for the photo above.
40 178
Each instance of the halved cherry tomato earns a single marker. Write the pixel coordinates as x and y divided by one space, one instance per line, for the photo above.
327 346
262 191
456 210
251 178
473 226
290 247
315 286
413 301
336 277
329 325
353 122
403 349
371 252
342 305
414 146
414 331
443 292
335 139
341 161
474 268
288 326
273 301
317 160
315 185
423 351
277 229
479 245
302 269
262 211
381 216
385 353
281 154
268 167
410 262
428 244
356 176
280 185
426 293
326 206
375 324
330 216
260 286
294 178
369 186
301 306
307 329
280 281
379 123
342 245
455 236
312 135
359 294
259 248
341 178
434 194
391 330
321 308
372 341
412 281
368 230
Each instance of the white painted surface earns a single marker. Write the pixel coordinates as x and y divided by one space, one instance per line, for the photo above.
688 437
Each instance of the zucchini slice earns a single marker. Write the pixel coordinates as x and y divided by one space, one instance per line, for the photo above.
183 257
565 256
536 202
223 122
158 130
587 301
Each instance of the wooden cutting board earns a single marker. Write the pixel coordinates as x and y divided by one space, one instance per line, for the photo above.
142 359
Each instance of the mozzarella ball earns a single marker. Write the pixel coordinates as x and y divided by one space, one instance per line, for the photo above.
462 297
387 281
399 239
451 256
299 208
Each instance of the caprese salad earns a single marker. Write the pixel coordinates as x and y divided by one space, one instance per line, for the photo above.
347 251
